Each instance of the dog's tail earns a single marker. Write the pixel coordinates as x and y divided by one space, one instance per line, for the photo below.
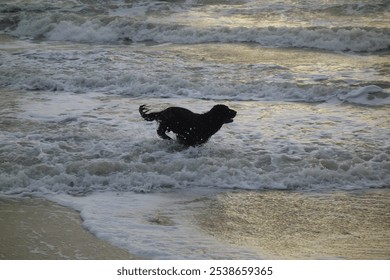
143 110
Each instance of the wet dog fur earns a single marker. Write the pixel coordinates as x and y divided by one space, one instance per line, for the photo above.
191 129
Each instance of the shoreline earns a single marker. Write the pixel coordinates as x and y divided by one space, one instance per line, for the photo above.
38 229
280 225
349 225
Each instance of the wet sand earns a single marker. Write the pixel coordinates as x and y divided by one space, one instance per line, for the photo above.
293 225
36 229
276 224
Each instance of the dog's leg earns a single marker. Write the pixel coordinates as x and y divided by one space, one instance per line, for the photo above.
161 132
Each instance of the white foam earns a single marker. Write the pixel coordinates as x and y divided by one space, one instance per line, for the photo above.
105 145
368 95
166 30
157 226
279 77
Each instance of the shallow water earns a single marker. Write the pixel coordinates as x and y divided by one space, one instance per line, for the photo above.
310 81
294 225
76 144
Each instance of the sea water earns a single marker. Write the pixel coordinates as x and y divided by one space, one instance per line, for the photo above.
310 81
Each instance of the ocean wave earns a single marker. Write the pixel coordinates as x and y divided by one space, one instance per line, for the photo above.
119 29
368 95
137 87
359 8
85 71
99 149
154 165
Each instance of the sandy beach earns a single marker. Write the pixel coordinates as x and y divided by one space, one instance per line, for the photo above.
276 224
292 225
37 229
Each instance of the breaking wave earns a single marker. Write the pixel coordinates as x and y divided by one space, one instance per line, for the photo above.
116 30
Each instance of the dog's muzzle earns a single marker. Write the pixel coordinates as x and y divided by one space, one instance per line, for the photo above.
232 115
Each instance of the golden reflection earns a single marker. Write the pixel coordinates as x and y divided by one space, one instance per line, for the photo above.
290 225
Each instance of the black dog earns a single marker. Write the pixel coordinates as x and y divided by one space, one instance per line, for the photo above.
191 129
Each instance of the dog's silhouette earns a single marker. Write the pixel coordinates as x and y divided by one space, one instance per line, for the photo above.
191 129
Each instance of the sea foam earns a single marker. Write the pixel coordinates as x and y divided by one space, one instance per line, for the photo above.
114 30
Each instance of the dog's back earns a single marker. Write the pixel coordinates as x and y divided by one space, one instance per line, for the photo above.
170 112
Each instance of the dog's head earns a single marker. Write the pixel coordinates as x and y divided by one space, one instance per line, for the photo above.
224 113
